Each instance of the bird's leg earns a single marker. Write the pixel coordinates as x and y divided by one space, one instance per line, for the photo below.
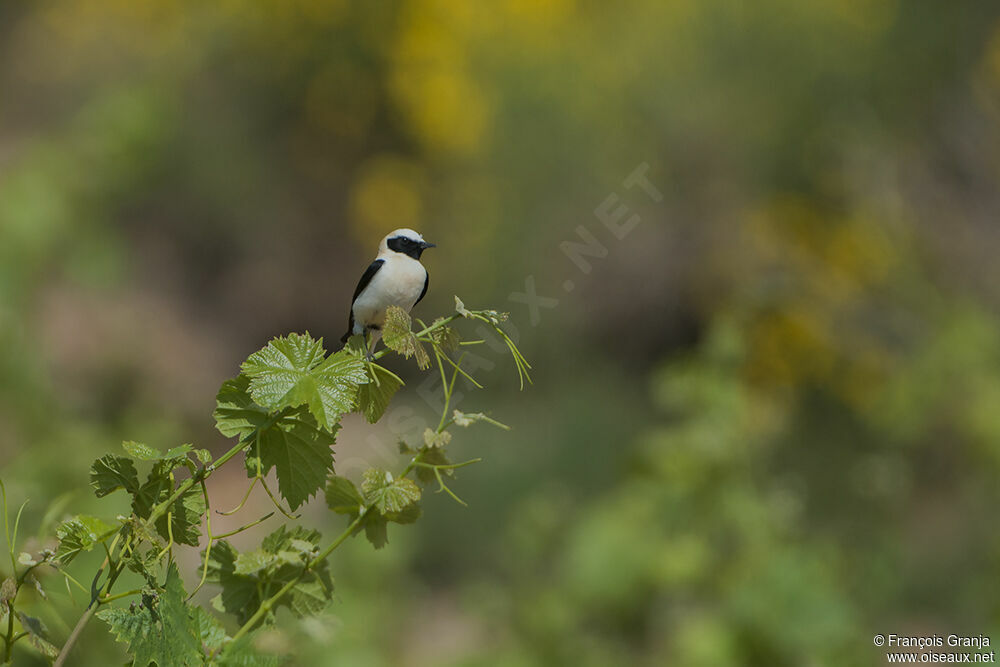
376 336
364 340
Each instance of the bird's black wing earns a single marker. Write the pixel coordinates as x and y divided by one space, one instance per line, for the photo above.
366 278
427 280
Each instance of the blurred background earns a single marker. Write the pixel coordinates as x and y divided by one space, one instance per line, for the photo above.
765 423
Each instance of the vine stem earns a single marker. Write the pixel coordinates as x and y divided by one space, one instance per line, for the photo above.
207 471
87 615
155 514
269 603
423 332
80 625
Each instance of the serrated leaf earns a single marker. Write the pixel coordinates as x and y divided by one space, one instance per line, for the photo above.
241 653
445 337
235 413
43 646
8 590
78 534
179 452
465 419
209 631
38 587
252 562
184 515
398 337
291 371
162 631
388 494
110 473
240 595
204 456
184 518
279 560
408 514
284 538
156 489
304 547
141 451
421 356
339 379
37 635
376 531
435 439
396 329
142 562
342 496
179 628
135 627
309 599
299 452
374 397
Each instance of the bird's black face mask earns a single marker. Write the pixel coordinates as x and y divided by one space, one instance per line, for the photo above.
408 246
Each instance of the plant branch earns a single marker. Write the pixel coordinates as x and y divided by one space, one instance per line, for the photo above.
269 603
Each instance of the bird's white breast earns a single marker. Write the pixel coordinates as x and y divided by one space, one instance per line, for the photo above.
398 283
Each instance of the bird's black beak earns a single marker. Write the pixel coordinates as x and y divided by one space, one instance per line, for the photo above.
425 245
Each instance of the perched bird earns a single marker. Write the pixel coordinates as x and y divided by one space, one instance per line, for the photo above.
395 278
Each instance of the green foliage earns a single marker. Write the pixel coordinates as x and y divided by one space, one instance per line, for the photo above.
37 635
236 414
284 410
110 473
78 534
249 578
300 453
163 629
398 337
388 494
374 396
342 496
292 371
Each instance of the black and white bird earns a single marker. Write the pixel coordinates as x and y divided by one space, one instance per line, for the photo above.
395 278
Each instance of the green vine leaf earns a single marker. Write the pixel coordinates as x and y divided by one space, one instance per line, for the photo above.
397 334
184 513
163 629
110 473
437 440
342 496
8 590
235 412
461 309
241 653
79 534
209 631
374 397
291 371
37 635
445 337
300 453
388 494
279 560
185 518
140 451
376 531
